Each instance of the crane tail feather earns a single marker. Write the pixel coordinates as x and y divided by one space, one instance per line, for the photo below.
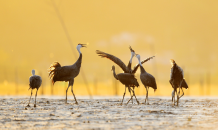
52 70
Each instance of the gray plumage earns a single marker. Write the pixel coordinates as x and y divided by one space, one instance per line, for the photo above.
128 80
183 85
35 81
177 80
126 69
147 79
66 73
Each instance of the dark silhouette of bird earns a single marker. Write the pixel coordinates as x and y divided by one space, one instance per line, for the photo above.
126 79
136 68
176 78
35 82
126 69
66 73
147 79
184 85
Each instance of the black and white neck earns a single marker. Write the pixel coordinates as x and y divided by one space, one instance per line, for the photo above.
78 48
141 67
132 55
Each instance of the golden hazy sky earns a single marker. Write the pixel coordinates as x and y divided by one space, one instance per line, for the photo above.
32 36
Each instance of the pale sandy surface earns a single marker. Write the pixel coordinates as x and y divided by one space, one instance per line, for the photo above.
53 113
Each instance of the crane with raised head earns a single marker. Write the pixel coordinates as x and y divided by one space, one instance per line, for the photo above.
66 73
177 80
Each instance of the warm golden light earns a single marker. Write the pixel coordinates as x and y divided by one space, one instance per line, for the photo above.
34 34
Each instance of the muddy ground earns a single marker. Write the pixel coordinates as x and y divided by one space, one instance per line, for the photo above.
50 113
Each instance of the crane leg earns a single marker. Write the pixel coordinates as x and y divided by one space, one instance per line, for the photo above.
35 97
175 96
66 92
30 98
147 96
135 96
130 95
182 93
124 95
178 93
71 84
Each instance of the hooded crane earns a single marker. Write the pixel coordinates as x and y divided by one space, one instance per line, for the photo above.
66 73
147 79
126 69
176 79
126 79
35 82
184 85
136 68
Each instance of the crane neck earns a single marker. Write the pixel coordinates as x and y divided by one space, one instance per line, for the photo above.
115 75
78 49
139 61
132 55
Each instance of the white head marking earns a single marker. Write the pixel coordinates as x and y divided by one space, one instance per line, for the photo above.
78 48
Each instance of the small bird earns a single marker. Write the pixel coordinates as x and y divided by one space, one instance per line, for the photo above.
184 85
147 79
66 73
176 79
35 82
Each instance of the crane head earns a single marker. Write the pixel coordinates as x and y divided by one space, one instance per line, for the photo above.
131 49
113 68
172 62
81 45
137 55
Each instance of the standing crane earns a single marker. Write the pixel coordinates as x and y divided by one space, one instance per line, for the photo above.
66 73
147 79
176 80
35 82
128 80
136 68
184 85
126 69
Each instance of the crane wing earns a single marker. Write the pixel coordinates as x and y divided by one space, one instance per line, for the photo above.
142 62
114 59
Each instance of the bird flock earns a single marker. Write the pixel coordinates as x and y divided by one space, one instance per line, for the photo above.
127 78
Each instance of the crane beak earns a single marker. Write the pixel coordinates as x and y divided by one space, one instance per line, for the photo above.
155 90
83 45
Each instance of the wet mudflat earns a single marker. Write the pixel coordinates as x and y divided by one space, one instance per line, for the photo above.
108 114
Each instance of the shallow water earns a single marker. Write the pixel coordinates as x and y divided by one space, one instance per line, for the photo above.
108 113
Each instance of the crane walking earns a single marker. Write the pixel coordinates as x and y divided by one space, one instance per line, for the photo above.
66 73
35 82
